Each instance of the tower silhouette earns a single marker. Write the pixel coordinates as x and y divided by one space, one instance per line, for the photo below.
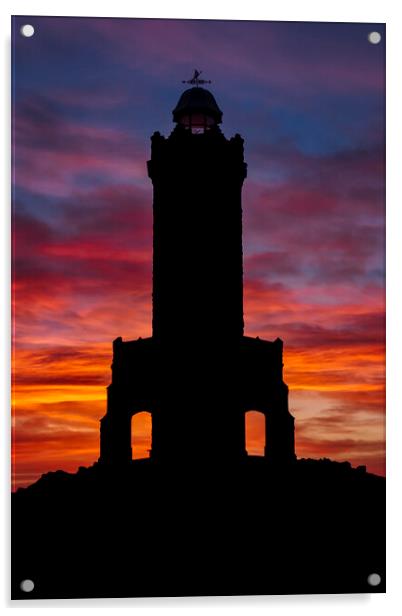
198 374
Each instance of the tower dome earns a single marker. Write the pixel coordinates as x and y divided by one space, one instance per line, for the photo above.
197 110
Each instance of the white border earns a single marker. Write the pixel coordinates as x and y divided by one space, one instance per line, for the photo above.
291 10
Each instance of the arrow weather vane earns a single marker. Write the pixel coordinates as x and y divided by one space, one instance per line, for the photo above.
195 79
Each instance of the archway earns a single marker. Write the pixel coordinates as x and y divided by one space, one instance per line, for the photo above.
255 433
141 435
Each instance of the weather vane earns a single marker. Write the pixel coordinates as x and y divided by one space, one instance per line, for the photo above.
195 79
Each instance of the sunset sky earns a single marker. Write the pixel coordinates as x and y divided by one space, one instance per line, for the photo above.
308 99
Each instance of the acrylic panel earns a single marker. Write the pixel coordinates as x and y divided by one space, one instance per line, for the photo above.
198 307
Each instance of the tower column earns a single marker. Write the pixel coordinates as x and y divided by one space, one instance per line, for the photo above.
279 425
115 431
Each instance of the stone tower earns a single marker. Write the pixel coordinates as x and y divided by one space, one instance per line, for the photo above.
197 175
198 374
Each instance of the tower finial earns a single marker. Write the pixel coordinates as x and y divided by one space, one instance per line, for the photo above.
195 79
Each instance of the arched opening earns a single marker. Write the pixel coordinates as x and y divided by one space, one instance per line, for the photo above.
255 433
141 435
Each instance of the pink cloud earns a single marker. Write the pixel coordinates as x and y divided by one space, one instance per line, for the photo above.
52 153
232 50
